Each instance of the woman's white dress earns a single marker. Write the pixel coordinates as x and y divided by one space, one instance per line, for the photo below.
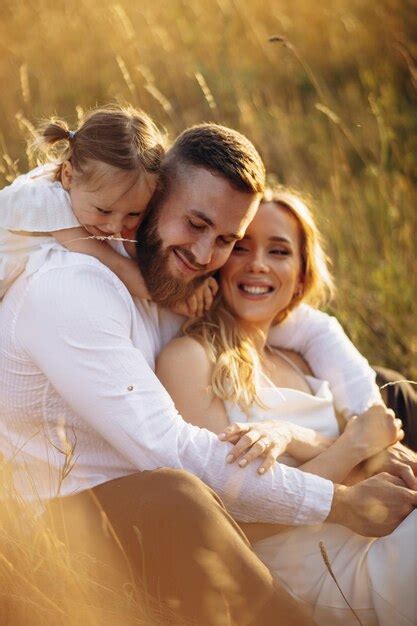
377 576
33 206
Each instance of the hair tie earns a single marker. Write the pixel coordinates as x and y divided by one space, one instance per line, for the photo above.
71 134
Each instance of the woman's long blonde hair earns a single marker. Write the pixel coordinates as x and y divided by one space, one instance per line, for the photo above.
232 352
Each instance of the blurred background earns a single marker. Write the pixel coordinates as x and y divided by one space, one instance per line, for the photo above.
330 102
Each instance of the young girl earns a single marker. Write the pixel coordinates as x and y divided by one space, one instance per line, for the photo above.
98 187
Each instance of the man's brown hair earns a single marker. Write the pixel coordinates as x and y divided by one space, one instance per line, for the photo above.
220 150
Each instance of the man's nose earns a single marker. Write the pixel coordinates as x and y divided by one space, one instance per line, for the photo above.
203 251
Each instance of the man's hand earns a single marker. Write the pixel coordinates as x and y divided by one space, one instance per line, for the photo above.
397 460
373 507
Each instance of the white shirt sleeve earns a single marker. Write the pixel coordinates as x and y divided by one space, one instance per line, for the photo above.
35 203
76 327
320 339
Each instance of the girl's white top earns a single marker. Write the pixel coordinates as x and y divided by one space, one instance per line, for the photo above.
31 208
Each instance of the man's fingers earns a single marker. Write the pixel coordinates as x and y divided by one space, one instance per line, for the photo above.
390 478
406 473
236 428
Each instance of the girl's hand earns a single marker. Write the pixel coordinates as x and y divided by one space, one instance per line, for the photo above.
201 300
373 431
268 439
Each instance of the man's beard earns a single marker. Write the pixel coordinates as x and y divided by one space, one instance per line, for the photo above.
164 288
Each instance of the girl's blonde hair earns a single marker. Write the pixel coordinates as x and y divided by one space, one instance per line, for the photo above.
233 353
123 137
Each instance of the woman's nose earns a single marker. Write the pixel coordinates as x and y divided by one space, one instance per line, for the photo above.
257 263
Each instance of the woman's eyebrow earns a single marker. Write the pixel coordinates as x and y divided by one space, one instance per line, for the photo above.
279 239
275 238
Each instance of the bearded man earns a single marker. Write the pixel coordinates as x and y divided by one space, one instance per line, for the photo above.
78 390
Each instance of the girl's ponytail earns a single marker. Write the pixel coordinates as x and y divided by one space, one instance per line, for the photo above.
53 141
122 137
54 131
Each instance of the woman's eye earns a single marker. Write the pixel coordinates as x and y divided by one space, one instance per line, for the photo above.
239 248
103 211
280 252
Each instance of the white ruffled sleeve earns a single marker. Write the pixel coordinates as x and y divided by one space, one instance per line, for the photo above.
35 203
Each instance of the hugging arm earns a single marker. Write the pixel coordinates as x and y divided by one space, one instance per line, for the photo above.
321 341
76 324
190 387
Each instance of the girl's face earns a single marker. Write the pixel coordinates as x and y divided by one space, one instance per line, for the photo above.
110 203
264 270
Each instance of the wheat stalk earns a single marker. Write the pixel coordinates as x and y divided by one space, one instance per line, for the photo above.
329 568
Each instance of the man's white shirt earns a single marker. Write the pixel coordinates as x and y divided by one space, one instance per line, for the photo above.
81 405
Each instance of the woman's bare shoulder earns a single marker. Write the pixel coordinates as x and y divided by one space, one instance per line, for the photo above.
184 348
187 356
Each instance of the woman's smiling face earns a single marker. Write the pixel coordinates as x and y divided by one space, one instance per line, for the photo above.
264 270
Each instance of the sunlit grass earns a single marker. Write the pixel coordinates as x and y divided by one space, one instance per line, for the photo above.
330 103
46 581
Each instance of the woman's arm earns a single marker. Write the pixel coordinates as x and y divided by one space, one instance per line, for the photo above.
363 437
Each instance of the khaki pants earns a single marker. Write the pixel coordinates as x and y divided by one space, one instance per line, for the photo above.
170 534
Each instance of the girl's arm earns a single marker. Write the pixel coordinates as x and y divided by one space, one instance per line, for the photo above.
79 240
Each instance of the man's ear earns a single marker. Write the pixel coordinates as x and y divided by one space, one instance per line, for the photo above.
67 175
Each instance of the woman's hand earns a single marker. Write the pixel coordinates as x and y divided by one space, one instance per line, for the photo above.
268 439
373 431
201 300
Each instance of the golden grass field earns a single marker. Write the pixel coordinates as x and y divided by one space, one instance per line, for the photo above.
331 105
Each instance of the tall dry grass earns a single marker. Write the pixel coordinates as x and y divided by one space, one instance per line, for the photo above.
57 570
330 103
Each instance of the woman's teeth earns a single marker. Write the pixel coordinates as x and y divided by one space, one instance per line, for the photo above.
255 290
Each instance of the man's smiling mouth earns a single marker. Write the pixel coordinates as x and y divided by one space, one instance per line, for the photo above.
185 263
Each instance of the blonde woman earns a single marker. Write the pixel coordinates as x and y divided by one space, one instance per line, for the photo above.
274 397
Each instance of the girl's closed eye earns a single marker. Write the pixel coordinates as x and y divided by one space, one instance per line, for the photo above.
103 211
